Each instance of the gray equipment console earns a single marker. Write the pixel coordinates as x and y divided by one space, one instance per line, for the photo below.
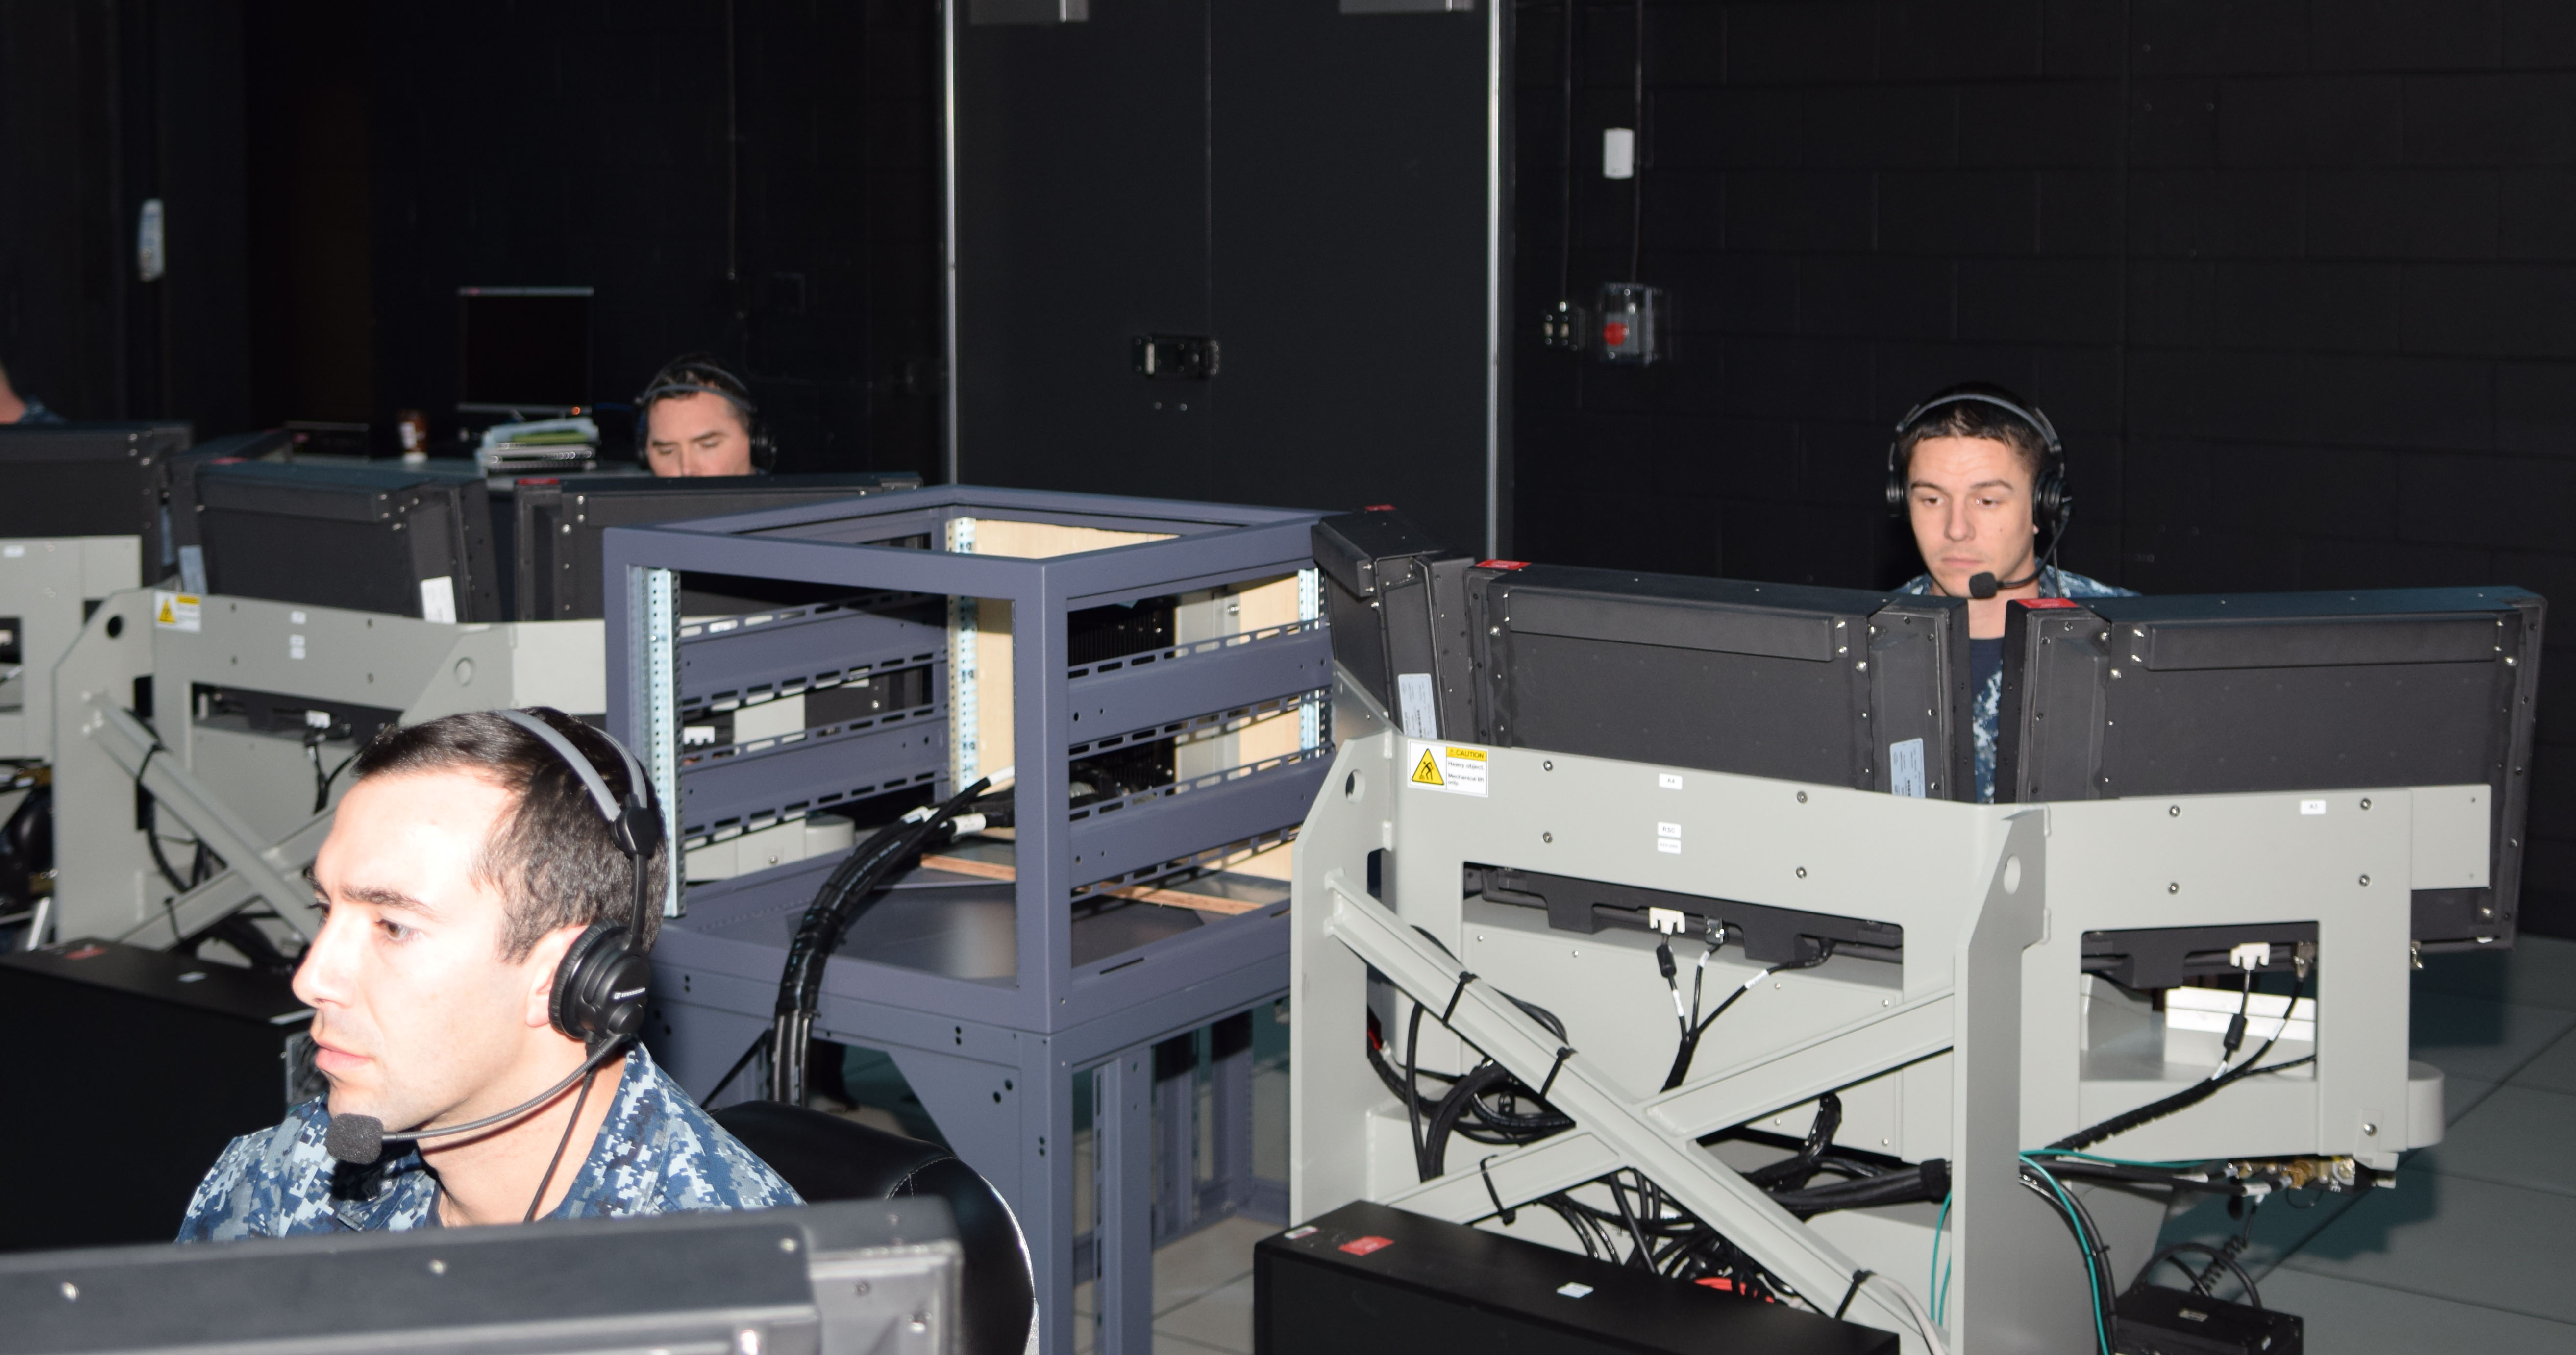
875 1277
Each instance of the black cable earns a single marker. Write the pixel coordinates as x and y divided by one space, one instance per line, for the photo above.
2199 1284
2036 1181
1690 1041
1642 1257
2188 1096
1637 150
560 1144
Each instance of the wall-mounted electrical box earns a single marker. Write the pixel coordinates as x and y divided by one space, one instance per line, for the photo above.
1629 323
1175 357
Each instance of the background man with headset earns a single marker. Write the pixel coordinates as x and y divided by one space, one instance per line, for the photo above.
1980 473
696 418
489 889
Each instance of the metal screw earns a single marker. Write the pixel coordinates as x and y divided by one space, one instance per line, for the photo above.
438 1267
71 1292
2365 802
2370 1129
2173 812
787 1244
1802 872
1548 766
2174 888
1802 797
1547 837
2365 882
860 1288
2115 672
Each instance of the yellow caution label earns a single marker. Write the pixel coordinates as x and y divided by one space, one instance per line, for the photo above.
178 611
1450 768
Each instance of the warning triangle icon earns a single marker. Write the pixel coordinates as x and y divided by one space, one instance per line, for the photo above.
167 618
1427 772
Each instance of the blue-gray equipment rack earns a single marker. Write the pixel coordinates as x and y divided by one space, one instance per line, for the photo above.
991 1001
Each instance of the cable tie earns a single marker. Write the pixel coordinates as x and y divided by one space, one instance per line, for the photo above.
1501 1210
1563 1052
1465 977
1852 1293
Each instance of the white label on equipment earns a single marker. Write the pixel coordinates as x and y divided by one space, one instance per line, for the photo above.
1573 1290
192 568
1668 830
2312 806
438 600
295 646
1905 769
177 611
12 552
1415 708
1445 766
1669 845
1668 780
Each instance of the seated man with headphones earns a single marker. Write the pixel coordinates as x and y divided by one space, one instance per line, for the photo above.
489 891
696 418
1980 472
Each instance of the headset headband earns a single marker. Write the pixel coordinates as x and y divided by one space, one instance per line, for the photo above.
2039 422
572 757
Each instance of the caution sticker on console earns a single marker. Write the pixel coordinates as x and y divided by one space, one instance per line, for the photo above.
1445 766
177 611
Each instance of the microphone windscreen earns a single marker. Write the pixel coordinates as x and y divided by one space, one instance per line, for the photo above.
1981 586
355 1139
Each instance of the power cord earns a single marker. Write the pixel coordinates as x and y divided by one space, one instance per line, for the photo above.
1691 1034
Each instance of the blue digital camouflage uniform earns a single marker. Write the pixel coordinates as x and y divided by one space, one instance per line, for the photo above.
2053 583
657 1153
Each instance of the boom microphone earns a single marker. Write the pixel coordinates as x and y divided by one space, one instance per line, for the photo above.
1982 586
359 1140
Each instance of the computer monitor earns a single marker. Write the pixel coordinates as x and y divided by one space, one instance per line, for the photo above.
2110 698
1829 686
853 1275
522 350
90 479
406 541
561 519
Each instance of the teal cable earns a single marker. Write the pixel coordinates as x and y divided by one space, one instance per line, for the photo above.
1932 1280
2092 1272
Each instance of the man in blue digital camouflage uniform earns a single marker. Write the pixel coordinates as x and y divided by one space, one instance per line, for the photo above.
1979 472
465 860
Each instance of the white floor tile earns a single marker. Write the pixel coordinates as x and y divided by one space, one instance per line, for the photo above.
2348 1318
2555 1068
2473 1242
2475 1037
1221 1318
2517 1136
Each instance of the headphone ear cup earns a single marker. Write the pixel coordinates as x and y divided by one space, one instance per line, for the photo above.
2048 502
574 1007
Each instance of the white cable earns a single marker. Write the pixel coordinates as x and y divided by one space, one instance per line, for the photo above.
1923 1323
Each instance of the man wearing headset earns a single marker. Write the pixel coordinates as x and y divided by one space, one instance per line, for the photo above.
696 418
1980 474
487 905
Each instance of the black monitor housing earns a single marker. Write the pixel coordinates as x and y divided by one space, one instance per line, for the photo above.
2254 692
561 520
406 541
92 479
1830 686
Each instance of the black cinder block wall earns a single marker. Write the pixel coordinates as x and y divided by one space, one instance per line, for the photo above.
2296 279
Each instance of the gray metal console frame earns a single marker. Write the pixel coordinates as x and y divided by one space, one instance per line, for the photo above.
1984 1039
993 1059
247 795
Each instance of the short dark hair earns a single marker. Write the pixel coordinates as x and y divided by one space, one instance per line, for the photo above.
551 856
693 374
1975 419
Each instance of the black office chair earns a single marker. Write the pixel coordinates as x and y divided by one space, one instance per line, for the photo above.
828 1158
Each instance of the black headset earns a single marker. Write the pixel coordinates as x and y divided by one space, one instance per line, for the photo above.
701 376
600 985
2051 507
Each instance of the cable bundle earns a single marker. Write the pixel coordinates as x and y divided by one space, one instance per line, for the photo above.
844 896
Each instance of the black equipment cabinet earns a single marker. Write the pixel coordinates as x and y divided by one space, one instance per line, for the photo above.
90 479
129 1070
406 541
1367 1279
1310 189
2248 692
1834 686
